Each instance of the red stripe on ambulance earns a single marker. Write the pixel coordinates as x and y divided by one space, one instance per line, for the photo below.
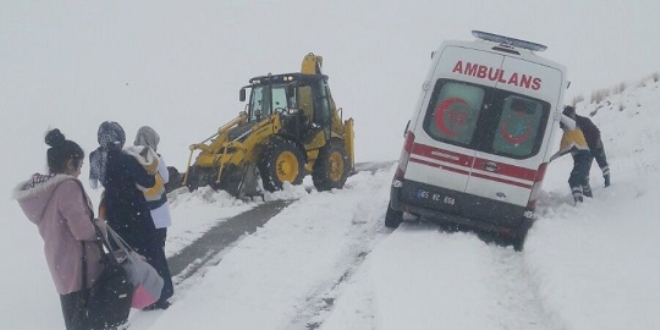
508 170
447 168
442 155
466 161
496 179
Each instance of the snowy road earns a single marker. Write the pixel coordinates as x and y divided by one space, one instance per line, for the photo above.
346 233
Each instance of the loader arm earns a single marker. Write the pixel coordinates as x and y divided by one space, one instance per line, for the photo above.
216 141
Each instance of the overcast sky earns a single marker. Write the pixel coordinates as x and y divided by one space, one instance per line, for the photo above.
178 66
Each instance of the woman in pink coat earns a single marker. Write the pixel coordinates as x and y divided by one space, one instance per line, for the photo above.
60 208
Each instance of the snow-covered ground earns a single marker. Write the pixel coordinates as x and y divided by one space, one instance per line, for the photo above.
326 261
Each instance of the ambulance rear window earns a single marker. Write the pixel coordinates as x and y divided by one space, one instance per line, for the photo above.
518 126
454 112
486 119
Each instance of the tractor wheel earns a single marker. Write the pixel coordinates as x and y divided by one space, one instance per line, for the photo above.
393 218
281 161
331 167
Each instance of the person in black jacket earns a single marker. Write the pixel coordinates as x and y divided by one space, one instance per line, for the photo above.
592 135
126 208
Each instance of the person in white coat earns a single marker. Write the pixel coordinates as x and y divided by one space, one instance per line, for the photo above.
146 143
156 196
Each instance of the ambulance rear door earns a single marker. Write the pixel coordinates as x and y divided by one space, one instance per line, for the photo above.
443 152
515 140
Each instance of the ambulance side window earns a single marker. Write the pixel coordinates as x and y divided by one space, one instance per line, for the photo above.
454 111
521 126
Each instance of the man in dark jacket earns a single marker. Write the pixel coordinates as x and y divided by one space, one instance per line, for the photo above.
592 135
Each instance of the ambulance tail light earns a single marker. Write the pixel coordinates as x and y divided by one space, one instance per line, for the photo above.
405 156
536 189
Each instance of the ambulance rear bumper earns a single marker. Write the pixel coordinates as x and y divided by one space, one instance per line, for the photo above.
452 207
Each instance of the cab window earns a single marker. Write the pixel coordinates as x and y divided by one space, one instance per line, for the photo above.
279 99
267 99
322 114
257 105
305 103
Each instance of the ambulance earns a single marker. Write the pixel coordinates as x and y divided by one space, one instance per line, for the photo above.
480 138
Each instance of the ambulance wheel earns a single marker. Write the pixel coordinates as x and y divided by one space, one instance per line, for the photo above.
331 168
393 218
518 240
282 161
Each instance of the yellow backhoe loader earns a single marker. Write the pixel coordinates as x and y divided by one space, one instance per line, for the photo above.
290 128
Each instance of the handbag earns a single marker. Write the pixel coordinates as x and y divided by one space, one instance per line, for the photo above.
108 301
147 282
109 298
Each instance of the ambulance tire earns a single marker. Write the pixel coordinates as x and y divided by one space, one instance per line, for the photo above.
518 241
393 218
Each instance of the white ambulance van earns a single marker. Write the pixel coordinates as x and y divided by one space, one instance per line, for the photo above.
477 146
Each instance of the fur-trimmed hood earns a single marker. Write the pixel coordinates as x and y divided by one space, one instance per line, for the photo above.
145 156
34 194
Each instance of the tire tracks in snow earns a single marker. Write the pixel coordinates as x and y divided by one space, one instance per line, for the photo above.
514 299
320 302
521 306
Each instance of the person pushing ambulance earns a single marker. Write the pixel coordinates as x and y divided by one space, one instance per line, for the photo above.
573 142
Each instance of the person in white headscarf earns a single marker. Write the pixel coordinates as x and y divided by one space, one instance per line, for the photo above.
146 142
156 196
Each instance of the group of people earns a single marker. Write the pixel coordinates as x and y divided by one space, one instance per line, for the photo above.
581 138
133 203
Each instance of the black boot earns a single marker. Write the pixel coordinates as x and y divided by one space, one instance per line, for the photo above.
161 304
607 180
586 190
577 194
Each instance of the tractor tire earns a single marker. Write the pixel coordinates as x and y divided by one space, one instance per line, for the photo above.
281 161
331 167
393 218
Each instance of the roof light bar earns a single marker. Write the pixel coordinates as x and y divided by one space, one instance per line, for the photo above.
507 41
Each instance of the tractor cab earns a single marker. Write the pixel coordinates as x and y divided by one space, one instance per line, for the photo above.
301 100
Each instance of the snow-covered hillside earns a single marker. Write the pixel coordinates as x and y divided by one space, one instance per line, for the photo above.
326 261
